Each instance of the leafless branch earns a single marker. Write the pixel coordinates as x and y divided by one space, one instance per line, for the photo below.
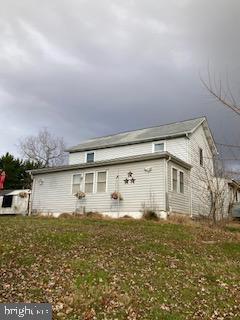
44 148
225 96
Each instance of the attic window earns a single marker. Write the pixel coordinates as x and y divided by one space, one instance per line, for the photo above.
7 201
158 147
90 157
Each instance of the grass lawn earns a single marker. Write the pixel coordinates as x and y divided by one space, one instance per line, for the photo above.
121 269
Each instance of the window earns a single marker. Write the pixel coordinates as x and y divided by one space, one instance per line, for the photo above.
89 179
76 183
201 156
177 180
101 181
7 201
174 179
181 182
158 147
89 157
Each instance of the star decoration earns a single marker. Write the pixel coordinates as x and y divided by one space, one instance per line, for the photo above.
130 174
133 180
126 181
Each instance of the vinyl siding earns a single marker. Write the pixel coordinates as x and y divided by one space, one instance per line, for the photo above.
179 202
54 194
200 195
177 147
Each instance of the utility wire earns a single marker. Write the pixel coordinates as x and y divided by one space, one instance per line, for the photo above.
228 145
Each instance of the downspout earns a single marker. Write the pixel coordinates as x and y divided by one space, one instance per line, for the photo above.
31 196
166 186
190 184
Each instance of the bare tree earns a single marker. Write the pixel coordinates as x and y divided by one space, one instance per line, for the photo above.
44 149
221 90
215 191
209 183
222 93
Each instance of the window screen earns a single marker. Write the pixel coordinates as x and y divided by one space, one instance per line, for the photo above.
89 177
76 185
174 179
181 177
101 181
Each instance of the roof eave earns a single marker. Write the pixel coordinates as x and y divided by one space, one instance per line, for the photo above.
212 144
160 155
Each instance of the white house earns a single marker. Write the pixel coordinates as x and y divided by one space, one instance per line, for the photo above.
14 201
162 168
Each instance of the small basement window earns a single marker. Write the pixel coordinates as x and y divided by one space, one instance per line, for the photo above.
7 201
90 157
158 147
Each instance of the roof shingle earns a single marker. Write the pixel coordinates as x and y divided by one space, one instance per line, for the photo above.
141 135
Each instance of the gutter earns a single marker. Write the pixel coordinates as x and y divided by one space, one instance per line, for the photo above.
31 196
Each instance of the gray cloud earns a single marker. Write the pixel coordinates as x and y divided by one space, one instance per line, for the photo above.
90 68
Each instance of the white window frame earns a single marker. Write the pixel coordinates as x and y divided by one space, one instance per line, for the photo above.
106 181
81 183
159 142
86 153
94 180
178 180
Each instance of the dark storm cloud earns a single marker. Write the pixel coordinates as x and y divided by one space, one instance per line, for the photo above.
89 68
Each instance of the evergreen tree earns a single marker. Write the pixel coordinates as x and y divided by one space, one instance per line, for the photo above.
15 169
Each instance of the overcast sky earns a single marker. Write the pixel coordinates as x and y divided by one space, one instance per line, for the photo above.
86 68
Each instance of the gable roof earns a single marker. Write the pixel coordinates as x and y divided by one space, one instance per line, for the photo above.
171 130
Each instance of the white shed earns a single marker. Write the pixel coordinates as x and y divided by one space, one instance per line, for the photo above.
14 201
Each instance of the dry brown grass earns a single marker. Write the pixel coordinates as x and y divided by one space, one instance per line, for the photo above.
121 269
180 219
65 215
